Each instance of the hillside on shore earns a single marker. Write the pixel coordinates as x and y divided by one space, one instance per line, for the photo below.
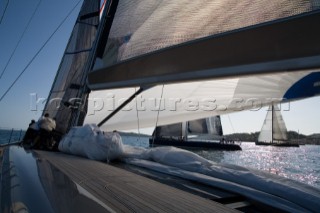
293 136
133 134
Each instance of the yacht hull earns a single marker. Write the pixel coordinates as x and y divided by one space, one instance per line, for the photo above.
193 144
277 144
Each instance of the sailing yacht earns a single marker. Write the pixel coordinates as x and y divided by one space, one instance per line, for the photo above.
274 131
149 63
203 133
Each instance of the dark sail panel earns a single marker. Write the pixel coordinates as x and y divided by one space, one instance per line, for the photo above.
67 91
172 130
210 127
143 26
198 126
156 42
214 125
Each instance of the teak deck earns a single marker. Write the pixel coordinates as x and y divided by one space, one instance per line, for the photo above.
124 191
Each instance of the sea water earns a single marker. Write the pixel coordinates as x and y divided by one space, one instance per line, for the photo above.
301 164
9 135
297 163
283 193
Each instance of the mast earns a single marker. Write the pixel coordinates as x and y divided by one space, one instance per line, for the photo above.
109 11
272 123
184 130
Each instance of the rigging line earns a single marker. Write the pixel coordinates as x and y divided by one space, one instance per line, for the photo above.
5 9
24 31
231 123
138 122
155 130
41 48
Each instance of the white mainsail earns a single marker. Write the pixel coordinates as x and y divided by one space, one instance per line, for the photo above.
189 101
194 66
273 128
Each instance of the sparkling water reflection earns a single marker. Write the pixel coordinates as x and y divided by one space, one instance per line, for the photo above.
302 164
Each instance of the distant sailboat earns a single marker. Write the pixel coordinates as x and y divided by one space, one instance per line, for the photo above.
202 133
274 131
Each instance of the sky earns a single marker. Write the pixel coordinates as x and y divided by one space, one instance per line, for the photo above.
17 108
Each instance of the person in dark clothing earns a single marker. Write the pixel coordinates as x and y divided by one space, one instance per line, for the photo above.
46 125
31 133
32 122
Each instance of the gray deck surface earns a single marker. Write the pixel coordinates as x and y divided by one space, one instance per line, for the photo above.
124 191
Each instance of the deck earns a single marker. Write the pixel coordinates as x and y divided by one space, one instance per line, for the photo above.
124 191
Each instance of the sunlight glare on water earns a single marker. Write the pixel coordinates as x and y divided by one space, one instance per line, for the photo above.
301 164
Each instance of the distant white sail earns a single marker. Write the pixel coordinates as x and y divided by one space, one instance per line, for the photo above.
279 127
266 130
273 128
